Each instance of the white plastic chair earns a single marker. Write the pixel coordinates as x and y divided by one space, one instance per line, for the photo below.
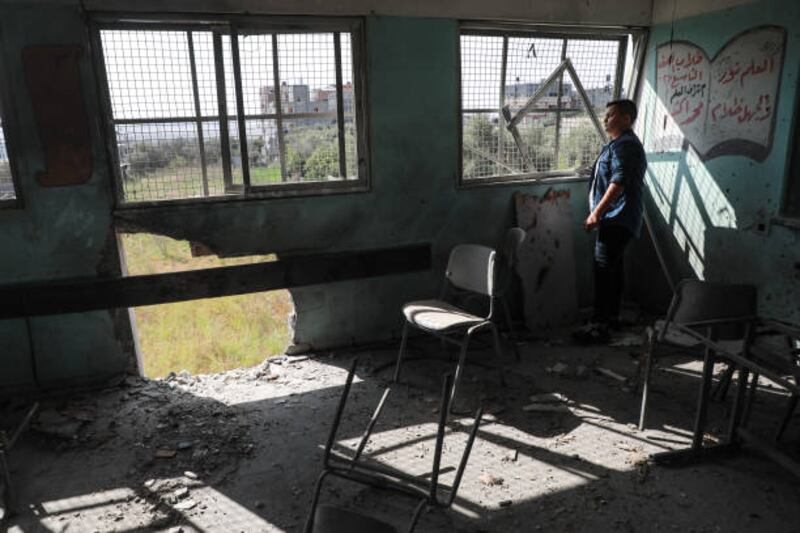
470 269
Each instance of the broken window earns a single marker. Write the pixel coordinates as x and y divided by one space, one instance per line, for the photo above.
8 185
530 100
201 110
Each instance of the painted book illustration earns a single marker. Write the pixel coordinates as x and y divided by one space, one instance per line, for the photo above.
724 105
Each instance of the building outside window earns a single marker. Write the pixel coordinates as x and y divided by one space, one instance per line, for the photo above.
524 114
233 108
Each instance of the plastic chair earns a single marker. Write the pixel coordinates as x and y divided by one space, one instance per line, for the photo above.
331 519
704 312
470 269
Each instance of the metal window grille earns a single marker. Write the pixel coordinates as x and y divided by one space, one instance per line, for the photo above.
207 112
505 69
7 191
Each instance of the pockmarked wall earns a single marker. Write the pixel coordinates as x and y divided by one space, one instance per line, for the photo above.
413 118
59 232
718 112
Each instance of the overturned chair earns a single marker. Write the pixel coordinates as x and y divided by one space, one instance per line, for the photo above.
705 313
429 493
471 273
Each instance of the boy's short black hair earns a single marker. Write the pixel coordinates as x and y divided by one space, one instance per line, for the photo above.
626 107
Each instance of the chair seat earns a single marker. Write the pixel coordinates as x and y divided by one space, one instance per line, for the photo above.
438 315
330 519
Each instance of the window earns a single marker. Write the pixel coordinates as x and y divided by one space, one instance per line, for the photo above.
8 186
532 102
233 108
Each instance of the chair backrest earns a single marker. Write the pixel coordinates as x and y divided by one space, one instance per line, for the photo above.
471 267
514 239
697 301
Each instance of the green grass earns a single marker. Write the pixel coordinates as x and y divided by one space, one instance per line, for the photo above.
203 336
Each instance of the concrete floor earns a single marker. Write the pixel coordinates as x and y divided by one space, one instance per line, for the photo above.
240 451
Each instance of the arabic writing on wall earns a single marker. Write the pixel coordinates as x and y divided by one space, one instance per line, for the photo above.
725 105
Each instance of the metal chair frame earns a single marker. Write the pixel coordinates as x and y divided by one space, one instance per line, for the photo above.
464 333
691 313
353 469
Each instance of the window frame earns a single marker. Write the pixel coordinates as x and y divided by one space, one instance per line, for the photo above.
234 26
8 119
638 36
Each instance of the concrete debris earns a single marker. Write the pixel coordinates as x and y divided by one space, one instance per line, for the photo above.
490 480
548 397
185 505
165 454
628 339
296 349
610 374
190 474
545 408
505 503
184 445
180 493
559 369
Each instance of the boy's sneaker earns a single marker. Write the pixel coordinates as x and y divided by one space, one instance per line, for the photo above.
592 333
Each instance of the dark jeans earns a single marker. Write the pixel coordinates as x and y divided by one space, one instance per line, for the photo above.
609 276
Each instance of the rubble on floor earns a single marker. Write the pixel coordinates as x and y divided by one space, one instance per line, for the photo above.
240 451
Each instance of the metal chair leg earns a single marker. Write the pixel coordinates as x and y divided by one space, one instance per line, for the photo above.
751 396
721 390
9 504
648 369
702 402
403 341
787 416
459 369
512 336
496 339
309 526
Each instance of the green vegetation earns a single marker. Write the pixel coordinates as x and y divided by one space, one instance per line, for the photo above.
171 169
578 147
203 336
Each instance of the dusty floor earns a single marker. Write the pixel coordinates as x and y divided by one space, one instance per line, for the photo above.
240 451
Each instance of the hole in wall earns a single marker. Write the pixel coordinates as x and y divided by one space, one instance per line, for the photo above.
209 335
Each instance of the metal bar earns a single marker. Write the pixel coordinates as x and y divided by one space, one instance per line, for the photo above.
444 407
38 299
465 456
222 106
495 159
501 137
586 103
538 94
622 51
339 409
22 426
278 108
112 146
702 401
237 81
337 51
371 425
526 160
196 94
209 118
557 147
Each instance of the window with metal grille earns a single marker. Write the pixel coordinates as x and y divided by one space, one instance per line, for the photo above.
8 186
232 108
531 100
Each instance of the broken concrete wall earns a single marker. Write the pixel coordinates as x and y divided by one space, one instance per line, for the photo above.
412 92
59 232
717 217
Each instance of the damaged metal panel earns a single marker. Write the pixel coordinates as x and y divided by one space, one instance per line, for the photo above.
547 259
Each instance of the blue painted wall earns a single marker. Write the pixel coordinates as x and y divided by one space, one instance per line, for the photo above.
413 125
61 232
716 219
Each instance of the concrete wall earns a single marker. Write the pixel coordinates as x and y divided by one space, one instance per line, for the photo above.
61 232
717 217
413 125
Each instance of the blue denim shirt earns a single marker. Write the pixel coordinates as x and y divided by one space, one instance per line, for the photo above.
621 161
